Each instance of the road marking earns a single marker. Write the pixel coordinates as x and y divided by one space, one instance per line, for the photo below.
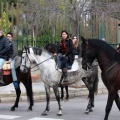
10 117
37 118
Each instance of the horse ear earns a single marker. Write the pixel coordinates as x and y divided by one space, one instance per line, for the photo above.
84 40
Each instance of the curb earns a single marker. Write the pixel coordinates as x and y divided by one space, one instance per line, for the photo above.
40 96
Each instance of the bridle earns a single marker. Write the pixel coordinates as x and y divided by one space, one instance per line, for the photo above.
31 62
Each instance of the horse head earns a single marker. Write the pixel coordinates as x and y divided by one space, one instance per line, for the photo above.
25 60
88 53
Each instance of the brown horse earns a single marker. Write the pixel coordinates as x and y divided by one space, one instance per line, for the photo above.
109 62
25 78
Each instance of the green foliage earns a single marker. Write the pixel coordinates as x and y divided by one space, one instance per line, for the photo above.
4 23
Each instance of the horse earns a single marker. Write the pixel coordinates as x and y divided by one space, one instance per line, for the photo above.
90 79
52 48
49 74
109 62
25 78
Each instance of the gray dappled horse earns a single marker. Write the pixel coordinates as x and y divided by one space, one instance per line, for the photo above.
49 74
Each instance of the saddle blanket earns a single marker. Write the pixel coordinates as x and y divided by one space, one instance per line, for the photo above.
6 66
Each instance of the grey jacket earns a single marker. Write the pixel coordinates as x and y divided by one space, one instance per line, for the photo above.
13 50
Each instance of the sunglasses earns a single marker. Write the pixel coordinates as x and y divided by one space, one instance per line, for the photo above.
74 38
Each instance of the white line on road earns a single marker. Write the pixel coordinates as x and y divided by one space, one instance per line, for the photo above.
37 118
8 117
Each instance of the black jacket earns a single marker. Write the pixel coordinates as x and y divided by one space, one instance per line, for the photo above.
70 51
13 50
78 51
4 47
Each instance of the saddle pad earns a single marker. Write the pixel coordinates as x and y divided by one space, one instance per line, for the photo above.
17 63
75 67
6 66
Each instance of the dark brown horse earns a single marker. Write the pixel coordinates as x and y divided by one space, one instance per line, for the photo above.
25 78
109 62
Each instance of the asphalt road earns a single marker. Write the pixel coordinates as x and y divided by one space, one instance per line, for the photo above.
72 110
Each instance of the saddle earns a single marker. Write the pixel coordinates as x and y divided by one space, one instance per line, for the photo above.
7 68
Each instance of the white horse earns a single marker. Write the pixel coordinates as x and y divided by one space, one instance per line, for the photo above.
50 75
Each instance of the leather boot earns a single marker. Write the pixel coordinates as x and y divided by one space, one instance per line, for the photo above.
1 78
65 78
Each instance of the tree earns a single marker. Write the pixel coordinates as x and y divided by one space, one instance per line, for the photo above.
5 24
109 8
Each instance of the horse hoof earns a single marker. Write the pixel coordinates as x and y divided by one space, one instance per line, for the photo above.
66 98
59 113
87 111
30 109
91 110
44 113
12 108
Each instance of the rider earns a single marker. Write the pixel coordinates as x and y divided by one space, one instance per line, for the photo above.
66 49
4 50
12 55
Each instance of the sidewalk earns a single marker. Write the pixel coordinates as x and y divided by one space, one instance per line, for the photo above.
7 93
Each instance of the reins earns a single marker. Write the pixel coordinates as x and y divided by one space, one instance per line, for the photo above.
36 64
101 64
40 63
98 64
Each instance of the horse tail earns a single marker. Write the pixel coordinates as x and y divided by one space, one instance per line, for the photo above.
96 82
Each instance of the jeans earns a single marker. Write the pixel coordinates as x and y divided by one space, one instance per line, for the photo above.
12 65
2 61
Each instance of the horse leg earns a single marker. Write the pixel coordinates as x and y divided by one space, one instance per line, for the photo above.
85 80
62 92
57 95
18 92
47 90
67 94
89 82
91 102
117 100
111 97
29 92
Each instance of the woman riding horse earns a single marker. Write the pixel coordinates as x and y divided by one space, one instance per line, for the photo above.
65 51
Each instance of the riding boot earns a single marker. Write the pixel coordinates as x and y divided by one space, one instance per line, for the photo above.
65 78
1 78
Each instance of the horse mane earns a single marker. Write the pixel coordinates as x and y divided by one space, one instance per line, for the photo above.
104 46
37 51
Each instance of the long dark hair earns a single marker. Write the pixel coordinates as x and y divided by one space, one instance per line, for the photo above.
65 32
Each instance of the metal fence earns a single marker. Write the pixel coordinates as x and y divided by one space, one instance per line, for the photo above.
90 26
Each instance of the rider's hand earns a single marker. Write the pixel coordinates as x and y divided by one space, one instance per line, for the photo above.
8 62
55 54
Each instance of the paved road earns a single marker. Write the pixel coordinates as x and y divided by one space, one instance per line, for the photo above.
72 110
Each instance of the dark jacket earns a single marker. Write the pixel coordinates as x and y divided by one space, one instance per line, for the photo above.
69 52
13 50
4 47
78 51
